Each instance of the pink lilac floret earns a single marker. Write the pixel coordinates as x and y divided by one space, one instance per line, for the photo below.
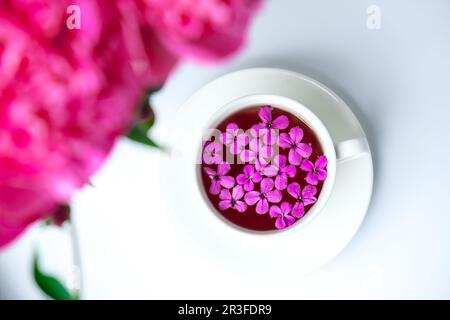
316 171
235 138
267 136
297 149
284 171
233 199
265 114
266 168
248 178
256 149
262 198
302 198
282 215
219 178
212 153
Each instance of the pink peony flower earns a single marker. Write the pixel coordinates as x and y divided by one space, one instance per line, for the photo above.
235 138
263 198
212 153
66 95
232 200
219 178
204 30
283 218
293 142
316 171
65 98
284 171
151 60
303 198
248 178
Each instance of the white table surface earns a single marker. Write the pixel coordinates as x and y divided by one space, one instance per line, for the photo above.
395 79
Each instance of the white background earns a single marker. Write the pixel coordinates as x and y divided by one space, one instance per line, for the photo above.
397 82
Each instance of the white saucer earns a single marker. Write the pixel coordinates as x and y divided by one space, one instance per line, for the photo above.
233 249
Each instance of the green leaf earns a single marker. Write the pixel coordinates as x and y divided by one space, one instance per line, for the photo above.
139 134
151 91
144 122
51 286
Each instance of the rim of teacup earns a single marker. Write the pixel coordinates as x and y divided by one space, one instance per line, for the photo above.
305 115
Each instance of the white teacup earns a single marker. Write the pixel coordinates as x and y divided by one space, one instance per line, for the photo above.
335 152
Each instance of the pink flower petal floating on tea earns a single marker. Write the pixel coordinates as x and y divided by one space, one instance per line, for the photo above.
218 178
235 138
262 199
297 148
212 153
257 149
233 199
265 168
266 136
284 172
249 178
316 171
303 198
283 218
280 122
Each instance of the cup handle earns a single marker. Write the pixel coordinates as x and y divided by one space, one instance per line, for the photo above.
351 149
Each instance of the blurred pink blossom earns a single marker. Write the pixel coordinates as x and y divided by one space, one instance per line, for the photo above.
203 30
66 95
